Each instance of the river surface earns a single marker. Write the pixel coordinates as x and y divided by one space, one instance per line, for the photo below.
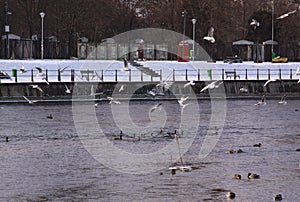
49 160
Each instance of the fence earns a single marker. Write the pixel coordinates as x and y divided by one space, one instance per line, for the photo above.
140 76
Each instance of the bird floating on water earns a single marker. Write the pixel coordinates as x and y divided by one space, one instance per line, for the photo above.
230 195
210 35
278 197
253 176
237 177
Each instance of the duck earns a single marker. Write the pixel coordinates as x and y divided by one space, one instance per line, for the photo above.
50 116
230 151
278 197
239 151
257 145
230 195
253 176
237 177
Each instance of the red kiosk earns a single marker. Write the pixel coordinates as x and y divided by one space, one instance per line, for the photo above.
183 54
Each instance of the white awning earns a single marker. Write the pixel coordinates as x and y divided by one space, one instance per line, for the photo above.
270 42
243 42
11 37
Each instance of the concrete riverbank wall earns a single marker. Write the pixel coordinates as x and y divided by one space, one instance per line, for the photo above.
230 88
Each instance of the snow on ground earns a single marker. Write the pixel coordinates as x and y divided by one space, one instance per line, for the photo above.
170 70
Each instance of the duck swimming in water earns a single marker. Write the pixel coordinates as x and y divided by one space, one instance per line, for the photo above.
253 176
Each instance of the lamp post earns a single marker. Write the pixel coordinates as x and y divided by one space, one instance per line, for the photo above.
42 14
194 26
272 47
183 14
6 27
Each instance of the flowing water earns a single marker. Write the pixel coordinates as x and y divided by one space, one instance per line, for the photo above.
46 159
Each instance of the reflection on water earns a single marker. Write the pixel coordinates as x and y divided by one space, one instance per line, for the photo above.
45 159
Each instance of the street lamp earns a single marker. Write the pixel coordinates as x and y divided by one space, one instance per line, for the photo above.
272 48
183 14
6 27
194 25
42 14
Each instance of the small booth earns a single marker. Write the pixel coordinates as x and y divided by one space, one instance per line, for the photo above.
243 49
183 54
267 50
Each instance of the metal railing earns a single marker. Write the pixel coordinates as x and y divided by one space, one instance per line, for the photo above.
139 76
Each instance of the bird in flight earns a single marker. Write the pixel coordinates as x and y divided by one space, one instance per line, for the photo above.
262 102
210 35
270 80
212 86
282 101
37 87
29 101
288 14
297 71
113 101
40 73
190 83
22 69
68 90
255 23
121 88
157 106
125 67
61 70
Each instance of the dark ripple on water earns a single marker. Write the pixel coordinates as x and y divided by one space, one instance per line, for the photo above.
44 159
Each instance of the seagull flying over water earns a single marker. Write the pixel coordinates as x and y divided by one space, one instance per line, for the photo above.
113 101
22 69
212 86
270 80
157 106
210 35
262 102
61 70
29 101
37 87
297 71
190 83
282 101
68 91
40 73
121 88
125 67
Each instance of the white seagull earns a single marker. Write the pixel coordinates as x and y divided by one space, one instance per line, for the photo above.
125 67
270 80
297 71
68 91
254 23
29 101
113 101
40 73
282 101
288 13
61 70
22 69
121 88
210 35
157 106
212 86
190 83
93 93
262 102
37 87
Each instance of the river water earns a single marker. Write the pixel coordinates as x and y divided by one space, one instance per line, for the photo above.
48 160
